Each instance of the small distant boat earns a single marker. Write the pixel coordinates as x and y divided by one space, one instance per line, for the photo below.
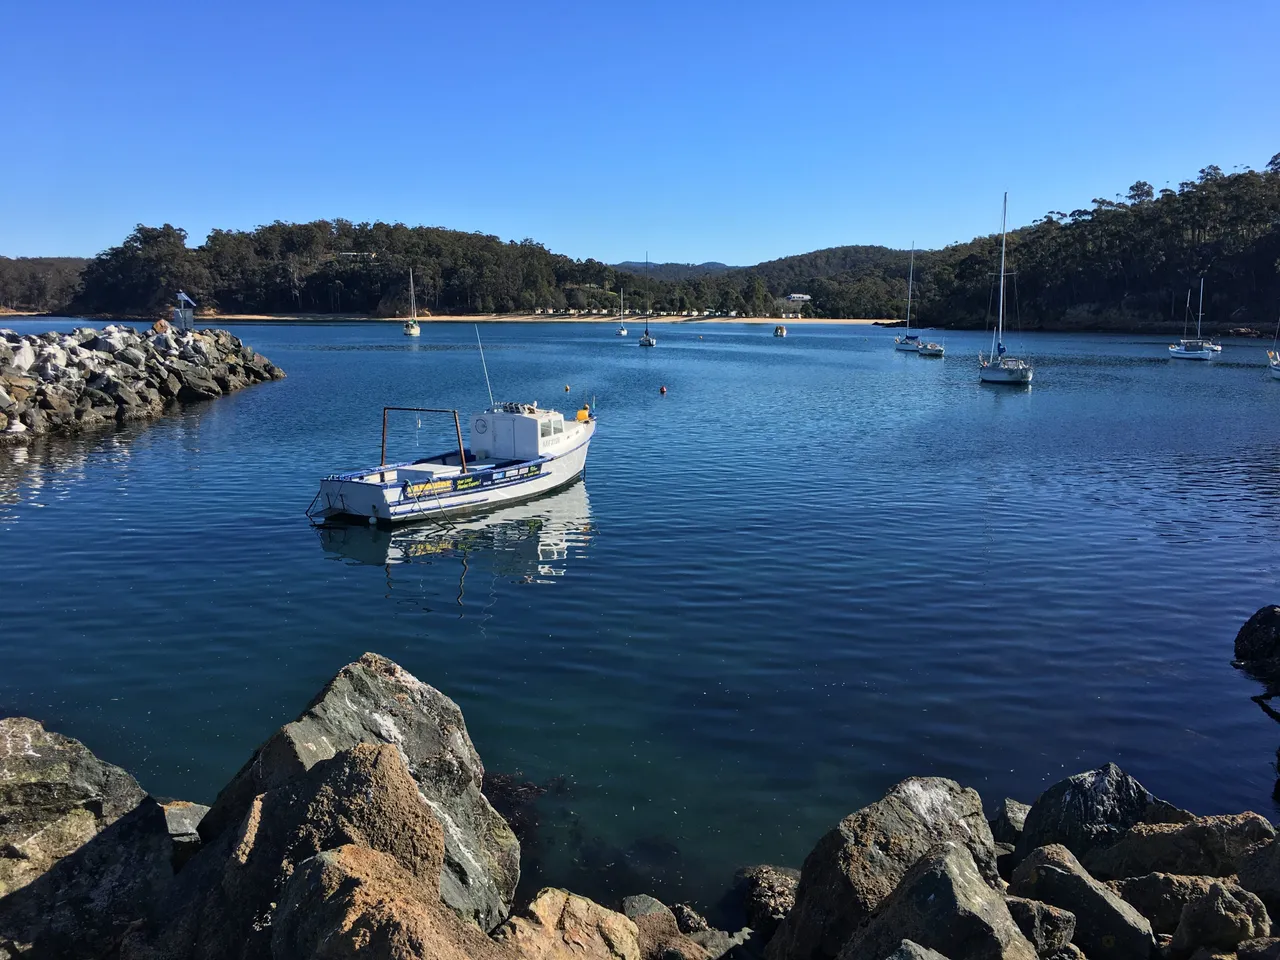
648 340
932 349
909 342
1000 368
1273 355
517 451
622 327
1196 348
779 331
411 328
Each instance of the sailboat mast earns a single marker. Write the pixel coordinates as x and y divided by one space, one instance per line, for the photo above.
1200 315
1004 217
911 272
1186 314
413 303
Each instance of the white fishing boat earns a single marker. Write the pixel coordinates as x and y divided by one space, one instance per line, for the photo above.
1196 348
411 328
999 368
517 451
622 303
779 331
909 342
932 349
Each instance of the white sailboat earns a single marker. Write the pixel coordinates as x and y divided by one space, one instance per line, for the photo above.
1273 355
411 328
648 340
999 368
622 309
909 342
1197 348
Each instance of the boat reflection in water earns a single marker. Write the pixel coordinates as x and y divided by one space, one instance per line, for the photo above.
532 542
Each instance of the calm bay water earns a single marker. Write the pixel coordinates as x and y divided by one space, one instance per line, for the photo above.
814 567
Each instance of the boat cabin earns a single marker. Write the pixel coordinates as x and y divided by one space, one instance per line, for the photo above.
518 431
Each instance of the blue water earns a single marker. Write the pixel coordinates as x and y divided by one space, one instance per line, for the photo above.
814 567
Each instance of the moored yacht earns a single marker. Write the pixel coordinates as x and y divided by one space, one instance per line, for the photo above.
622 305
1273 355
909 342
411 328
999 368
517 451
932 349
1196 348
779 331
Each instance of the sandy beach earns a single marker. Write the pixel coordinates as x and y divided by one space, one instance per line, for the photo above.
522 318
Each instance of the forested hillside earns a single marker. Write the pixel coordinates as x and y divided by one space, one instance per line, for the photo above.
37 284
1118 264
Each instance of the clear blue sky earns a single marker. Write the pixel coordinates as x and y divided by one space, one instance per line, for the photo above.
696 131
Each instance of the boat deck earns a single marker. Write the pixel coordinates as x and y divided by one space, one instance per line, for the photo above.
436 468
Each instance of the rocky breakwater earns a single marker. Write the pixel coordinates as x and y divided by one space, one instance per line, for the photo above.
61 382
361 830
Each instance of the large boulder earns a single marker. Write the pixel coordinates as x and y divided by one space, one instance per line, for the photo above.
1091 811
55 796
1219 920
23 357
1107 928
225 901
859 863
353 903
1258 643
1049 929
1259 872
1207 846
945 904
764 895
657 932
83 905
1160 897
1006 824
559 925
907 950
376 701
1264 948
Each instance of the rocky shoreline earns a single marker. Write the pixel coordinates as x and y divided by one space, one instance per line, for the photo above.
363 829
66 382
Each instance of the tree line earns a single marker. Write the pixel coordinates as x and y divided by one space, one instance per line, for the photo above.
1118 263
39 284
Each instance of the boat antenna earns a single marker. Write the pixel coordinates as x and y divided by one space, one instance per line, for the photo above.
483 364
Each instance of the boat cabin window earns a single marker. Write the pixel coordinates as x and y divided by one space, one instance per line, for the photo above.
545 429
557 426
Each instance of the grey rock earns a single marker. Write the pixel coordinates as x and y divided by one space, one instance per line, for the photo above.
907 950
1006 825
1263 948
1257 646
1219 919
1160 897
766 894
83 905
132 356
1048 928
719 943
55 796
198 384
1259 873
376 701
1107 928
23 357
1208 846
945 904
859 863
642 905
182 819
1088 812
688 919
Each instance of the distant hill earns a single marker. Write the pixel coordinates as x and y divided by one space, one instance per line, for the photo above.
674 271
37 284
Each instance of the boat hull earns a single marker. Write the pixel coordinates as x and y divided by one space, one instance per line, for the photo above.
1011 375
907 347
1176 354
1275 370
482 488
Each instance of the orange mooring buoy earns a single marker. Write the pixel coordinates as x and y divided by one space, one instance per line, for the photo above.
662 389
